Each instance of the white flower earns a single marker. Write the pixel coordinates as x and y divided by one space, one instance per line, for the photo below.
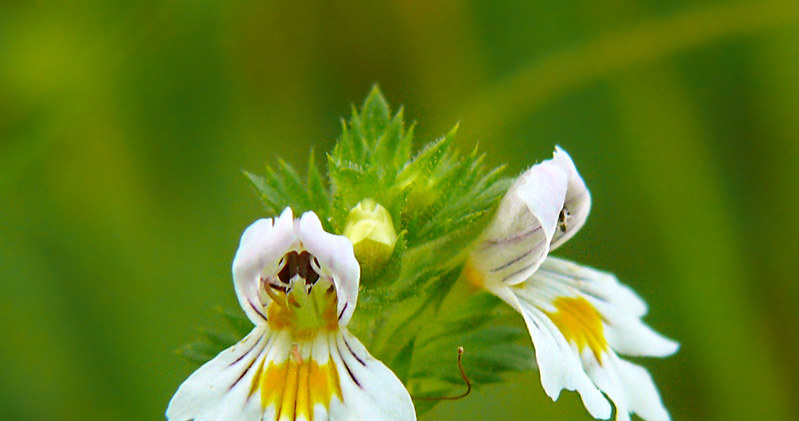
299 286
579 318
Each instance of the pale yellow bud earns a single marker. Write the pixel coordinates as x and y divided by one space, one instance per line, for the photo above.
371 231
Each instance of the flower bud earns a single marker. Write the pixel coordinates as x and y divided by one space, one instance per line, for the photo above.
371 231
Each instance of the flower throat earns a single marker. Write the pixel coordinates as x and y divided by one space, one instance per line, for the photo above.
302 300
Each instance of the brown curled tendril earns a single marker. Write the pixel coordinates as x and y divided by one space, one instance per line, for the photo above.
452 398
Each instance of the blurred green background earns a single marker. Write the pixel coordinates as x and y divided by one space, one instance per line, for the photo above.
124 127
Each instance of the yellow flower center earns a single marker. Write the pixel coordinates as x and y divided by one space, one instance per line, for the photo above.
302 302
304 313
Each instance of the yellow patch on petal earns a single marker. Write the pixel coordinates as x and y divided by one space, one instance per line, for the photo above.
473 275
580 323
294 387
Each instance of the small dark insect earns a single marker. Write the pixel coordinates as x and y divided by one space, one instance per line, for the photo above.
563 219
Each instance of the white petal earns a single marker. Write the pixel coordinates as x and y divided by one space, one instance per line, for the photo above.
621 308
577 203
272 376
630 336
261 244
607 379
371 392
578 319
629 386
558 362
517 239
221 385
642 395
265 242
335 253
594 283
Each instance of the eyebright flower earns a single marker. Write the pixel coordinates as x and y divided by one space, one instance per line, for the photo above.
299 285
579 318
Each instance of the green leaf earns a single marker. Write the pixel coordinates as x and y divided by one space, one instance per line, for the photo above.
283 187
320 196
237 320
375 116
